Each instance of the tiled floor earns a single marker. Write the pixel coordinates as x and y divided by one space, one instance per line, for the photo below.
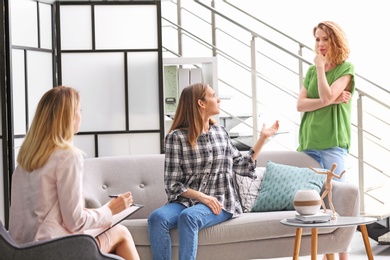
358 251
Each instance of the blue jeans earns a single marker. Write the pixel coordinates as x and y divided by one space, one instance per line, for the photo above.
329 156
188 221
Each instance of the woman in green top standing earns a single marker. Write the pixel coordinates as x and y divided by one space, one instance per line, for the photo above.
325 130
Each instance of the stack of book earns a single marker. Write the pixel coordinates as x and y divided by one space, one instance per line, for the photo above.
319 217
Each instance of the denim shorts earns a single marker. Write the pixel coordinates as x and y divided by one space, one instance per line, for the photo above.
329 156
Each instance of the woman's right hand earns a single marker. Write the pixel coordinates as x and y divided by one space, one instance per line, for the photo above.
120 203
320 60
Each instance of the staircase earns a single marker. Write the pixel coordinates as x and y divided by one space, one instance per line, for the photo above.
257 60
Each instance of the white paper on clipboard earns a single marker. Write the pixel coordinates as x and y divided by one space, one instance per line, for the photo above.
117 218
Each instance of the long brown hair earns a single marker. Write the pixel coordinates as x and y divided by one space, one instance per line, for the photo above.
188 114
51 128
338 43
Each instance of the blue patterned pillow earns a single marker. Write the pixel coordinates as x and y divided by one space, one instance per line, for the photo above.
281 182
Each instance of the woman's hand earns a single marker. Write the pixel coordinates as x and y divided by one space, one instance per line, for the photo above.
209 201
320 60
268 132
264 135
344 97
120 203
212 203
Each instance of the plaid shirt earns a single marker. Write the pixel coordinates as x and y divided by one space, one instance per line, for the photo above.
208 168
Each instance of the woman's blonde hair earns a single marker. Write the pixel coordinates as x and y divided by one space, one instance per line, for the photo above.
51 128
188 113
338 43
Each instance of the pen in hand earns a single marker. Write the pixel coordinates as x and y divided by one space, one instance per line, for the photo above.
116 196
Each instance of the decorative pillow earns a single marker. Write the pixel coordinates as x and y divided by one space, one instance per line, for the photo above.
281 182
248 188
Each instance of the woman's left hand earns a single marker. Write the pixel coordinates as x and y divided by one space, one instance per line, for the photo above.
344 97
212 203
268 132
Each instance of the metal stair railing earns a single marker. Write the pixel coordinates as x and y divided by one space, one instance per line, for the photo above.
363 134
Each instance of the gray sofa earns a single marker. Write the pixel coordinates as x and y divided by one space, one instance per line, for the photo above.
254 235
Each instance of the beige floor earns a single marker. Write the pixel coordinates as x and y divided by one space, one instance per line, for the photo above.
358 252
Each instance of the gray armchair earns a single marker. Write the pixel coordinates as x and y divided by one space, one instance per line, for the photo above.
78 246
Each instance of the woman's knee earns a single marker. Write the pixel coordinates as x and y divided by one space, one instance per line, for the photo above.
122 233
186 215
195 216
155 218
109 241
160 218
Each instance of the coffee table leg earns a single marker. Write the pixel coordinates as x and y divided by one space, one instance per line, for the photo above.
363 230
314 241
330 257
297 245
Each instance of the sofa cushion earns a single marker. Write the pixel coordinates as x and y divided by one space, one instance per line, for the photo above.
281 182
248 188
142 175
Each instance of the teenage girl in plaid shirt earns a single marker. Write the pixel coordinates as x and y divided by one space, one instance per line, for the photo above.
199 161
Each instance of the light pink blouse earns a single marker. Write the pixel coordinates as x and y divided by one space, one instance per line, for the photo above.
48 202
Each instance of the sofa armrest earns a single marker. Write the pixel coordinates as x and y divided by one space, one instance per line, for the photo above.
345 198
75 246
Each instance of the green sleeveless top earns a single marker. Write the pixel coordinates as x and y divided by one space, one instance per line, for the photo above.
329 126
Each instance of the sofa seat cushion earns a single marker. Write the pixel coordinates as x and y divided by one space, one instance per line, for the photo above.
247 227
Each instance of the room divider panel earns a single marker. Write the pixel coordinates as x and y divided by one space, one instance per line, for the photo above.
110 51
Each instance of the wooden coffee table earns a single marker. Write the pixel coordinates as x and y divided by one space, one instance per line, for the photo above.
339 222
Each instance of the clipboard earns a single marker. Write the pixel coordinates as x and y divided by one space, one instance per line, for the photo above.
117 218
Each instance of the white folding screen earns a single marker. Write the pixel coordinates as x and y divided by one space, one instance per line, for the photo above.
19 91
126 27
31 70
114 144
76 24
100 79
32 58
143 95
39 77
111 53
24 28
